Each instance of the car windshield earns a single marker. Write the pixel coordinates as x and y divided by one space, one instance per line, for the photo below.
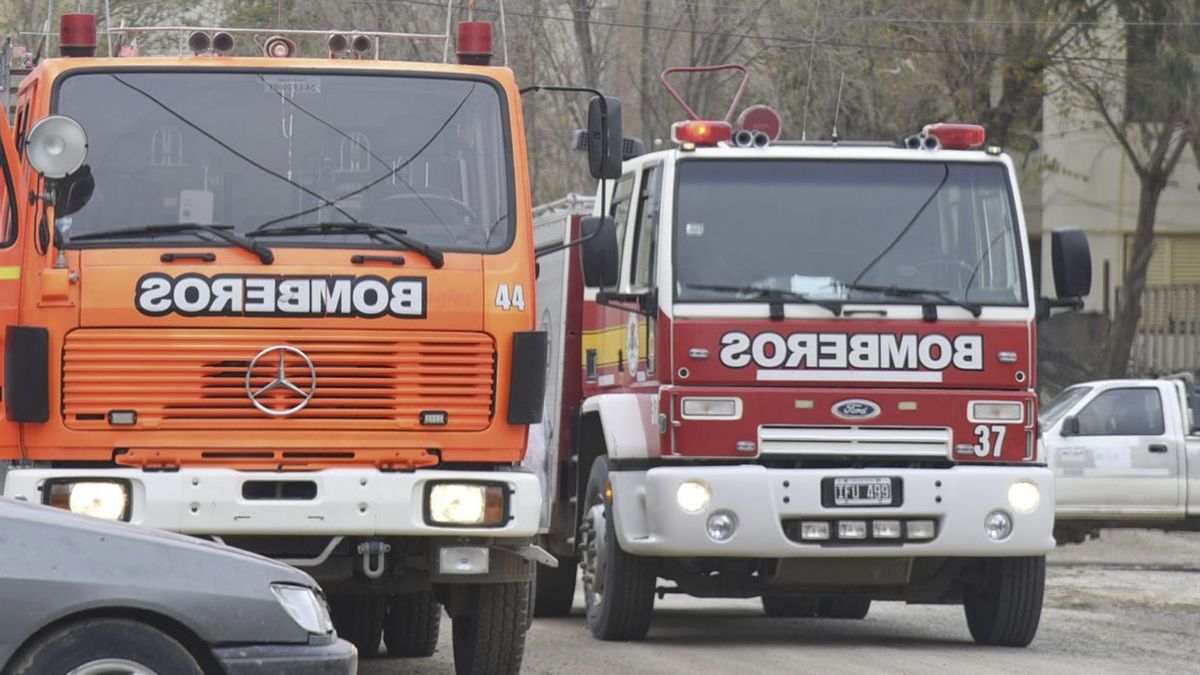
847 230
255 149
1058 406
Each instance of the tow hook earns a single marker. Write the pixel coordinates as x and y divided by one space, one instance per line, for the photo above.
376 550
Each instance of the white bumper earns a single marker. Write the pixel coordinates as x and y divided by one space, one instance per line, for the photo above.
356 502
649 521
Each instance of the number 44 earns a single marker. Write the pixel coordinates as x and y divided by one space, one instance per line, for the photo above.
986 446
506 300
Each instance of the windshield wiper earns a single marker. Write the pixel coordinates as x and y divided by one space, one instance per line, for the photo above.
901 292
396 234
266 255
776 296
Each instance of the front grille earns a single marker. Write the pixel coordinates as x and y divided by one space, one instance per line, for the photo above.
854 441
195 379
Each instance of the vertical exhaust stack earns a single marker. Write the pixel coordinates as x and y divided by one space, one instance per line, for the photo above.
474 43
199 42
77 35
222 43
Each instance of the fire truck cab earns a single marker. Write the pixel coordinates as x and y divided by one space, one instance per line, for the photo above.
256 298
800 371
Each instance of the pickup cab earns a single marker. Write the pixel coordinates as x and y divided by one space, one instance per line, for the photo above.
1125 453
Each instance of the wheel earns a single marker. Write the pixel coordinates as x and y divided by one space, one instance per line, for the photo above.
790 605
1005 608
359 618
556 588
411 624
105 646
490 636
618 587
844 608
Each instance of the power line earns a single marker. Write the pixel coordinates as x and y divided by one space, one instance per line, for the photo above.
779 40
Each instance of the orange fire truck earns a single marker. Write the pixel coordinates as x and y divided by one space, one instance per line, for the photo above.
800 371
287 303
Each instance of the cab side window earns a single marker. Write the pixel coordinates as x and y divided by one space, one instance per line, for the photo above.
645 246
1135 411
619 210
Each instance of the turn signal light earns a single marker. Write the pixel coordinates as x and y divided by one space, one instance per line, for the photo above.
701 132
957 136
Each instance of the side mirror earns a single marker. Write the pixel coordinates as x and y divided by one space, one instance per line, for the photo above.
74 191
605 138
1070 426
1071 258
601 254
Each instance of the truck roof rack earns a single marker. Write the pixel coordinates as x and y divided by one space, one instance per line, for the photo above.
840 142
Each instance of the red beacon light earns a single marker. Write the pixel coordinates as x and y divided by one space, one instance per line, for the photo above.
701 132
77 35
474 43
956 136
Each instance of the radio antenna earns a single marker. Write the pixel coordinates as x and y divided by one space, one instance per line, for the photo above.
837 107
812 49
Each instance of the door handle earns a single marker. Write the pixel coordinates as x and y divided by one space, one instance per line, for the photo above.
1158 447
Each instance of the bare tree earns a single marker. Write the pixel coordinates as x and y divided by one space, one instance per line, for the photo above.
1143 102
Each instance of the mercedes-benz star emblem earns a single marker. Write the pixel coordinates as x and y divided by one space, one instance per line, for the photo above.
281 381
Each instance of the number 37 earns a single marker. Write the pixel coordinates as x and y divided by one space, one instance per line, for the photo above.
986 446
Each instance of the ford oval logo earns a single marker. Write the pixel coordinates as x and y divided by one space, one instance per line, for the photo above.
856 409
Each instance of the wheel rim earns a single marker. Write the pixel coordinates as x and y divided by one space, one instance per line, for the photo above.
593 556
112 667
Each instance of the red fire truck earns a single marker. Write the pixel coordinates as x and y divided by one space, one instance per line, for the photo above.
802 371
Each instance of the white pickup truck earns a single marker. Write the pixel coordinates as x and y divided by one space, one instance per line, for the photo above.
1125 453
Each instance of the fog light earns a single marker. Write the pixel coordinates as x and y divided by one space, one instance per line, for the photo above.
463 560
465 504
885 529
998 525
852 529
108 500
815 529
721 525
1024 496
692 496
921 529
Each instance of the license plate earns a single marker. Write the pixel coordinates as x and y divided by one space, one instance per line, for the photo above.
862 491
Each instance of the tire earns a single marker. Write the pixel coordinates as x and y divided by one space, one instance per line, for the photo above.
618 587
556 588
411 625
1004 610
844 608
95 641
359 618
790 605
490 637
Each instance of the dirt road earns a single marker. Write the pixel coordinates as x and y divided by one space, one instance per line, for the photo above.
1129 602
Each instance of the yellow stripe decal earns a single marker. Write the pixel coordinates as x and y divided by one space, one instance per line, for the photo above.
10 272
608 343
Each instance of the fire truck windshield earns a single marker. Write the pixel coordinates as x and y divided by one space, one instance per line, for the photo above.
848 231
276 150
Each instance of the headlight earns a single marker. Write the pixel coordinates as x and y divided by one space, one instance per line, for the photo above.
305 607
1024 496
465 504
707 407
692 496
107 499
1012 412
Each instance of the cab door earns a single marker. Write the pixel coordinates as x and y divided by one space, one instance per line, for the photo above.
12 188
1119 453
